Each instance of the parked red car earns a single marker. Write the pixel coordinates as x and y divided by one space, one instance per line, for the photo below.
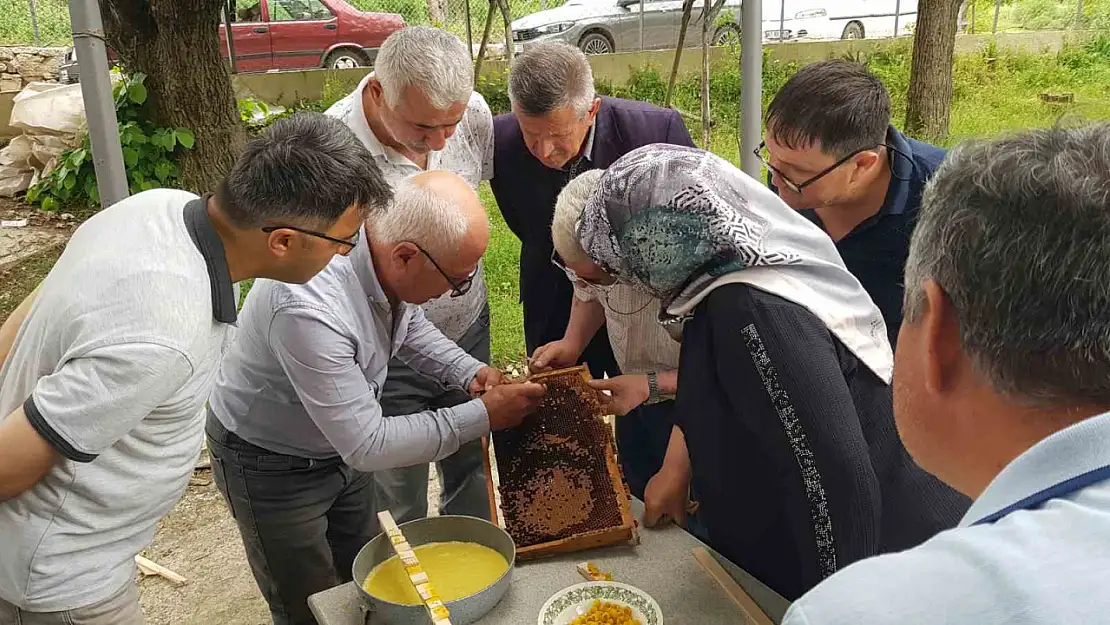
301 34
293 34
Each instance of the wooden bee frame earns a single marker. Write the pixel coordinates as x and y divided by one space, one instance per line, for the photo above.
587 442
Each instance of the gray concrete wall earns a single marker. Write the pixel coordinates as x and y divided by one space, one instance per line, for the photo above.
288 88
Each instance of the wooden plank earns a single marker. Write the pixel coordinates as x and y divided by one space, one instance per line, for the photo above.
751 610
490 488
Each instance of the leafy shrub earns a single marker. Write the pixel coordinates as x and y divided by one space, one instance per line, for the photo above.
148 154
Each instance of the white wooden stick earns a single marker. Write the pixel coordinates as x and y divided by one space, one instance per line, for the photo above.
153 568
436 610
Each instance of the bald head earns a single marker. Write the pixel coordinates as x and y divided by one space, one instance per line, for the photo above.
438 211
449 190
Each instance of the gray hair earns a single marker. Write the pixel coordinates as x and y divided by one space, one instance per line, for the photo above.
420 216
1017 233
550 76
307 168
568 212
431 60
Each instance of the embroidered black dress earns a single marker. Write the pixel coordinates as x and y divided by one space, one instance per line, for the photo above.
793 447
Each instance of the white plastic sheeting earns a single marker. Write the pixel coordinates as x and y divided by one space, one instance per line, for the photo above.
52 118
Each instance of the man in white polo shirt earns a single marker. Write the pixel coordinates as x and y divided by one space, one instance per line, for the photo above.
1002 390
418 112
105 371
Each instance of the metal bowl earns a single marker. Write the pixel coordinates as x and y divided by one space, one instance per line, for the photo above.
437 530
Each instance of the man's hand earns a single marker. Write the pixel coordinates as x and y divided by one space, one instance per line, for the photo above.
485 380
666 497
556 355
626 392
508 404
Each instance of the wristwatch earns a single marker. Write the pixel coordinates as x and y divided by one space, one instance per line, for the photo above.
653 388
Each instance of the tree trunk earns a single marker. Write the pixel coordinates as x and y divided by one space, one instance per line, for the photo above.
687 7
706 125
176 44
929 101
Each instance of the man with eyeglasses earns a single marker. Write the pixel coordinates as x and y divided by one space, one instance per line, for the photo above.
416 112
105 369
832 153
296 424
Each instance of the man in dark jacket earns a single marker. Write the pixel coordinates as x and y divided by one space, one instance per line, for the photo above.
558 129
832 154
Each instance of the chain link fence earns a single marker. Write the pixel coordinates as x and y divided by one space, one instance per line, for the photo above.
602 26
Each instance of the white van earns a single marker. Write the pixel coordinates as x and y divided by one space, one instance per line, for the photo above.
838 19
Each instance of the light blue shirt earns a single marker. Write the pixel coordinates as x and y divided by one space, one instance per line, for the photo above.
1048 565
305 373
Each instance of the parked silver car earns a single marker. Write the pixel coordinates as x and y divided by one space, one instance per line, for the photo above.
604 26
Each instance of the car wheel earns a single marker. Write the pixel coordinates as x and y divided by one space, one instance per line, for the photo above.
595 43
854 30
346 59
727 35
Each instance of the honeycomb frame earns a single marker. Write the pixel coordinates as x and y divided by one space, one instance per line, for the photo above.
589 439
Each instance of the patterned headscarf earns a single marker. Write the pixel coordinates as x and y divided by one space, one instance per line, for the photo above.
679 222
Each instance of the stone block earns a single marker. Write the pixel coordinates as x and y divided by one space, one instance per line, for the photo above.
10 83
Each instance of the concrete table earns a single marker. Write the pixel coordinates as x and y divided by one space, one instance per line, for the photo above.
662 565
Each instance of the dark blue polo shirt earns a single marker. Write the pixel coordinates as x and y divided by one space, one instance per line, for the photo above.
875 251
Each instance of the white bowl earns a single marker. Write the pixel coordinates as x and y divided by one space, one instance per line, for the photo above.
570 603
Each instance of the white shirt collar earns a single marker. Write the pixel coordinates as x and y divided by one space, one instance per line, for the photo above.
588 153
362 130
1066 454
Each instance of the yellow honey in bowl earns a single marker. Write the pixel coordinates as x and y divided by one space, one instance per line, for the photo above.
455 570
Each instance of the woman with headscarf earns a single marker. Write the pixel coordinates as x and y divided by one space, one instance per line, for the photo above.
783 400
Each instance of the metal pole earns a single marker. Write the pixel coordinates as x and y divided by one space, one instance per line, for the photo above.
782 20
230 38
997 8
641 25
751 91
35 23
1078 14
96 91
897 14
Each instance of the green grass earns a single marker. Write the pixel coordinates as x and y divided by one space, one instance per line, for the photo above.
502 265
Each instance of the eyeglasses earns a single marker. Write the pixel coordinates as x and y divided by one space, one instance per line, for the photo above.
352 242
458 289
797 187
606 290
572 276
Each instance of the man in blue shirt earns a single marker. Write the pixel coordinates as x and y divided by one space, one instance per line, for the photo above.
831 153
1002 390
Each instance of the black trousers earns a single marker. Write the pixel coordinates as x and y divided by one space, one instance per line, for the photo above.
302 521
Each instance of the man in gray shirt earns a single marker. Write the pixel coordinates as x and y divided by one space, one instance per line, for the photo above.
106 368
296 422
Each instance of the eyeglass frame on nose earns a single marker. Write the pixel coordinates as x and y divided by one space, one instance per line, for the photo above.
796 187
458 289
572 275
352 242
